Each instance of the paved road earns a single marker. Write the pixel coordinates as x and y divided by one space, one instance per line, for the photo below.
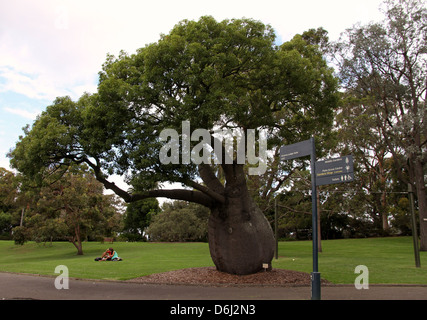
18 286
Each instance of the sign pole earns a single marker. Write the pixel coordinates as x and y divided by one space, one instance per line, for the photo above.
329 175
315 275
275 228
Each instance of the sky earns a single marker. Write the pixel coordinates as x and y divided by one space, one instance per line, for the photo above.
51 48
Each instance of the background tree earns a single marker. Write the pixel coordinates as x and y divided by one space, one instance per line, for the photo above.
216 75
383 65
8 190
359 136
9 208
180 221
137 218
294 207
71 207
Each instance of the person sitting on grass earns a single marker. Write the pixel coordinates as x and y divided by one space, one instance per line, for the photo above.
109 255
114 256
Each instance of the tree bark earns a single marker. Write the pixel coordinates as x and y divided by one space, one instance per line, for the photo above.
383 201
422 203
241 240
76 241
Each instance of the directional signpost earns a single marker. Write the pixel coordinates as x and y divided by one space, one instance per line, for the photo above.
295 150
337 170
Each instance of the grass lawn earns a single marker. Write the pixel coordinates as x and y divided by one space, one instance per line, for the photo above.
389 260
139 259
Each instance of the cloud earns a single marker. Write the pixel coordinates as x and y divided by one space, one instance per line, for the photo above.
53 47
40 57
22 113
34 86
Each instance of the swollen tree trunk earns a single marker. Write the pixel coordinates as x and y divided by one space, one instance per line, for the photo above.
241 240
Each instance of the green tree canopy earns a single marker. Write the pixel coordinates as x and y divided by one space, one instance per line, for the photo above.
138 217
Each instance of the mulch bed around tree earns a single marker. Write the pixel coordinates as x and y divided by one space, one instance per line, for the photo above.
210 276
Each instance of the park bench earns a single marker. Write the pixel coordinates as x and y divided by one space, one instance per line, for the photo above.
110 240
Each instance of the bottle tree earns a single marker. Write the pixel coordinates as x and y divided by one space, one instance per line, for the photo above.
145 123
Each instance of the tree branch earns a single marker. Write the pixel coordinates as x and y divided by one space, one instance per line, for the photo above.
215 196
210 179
175 194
